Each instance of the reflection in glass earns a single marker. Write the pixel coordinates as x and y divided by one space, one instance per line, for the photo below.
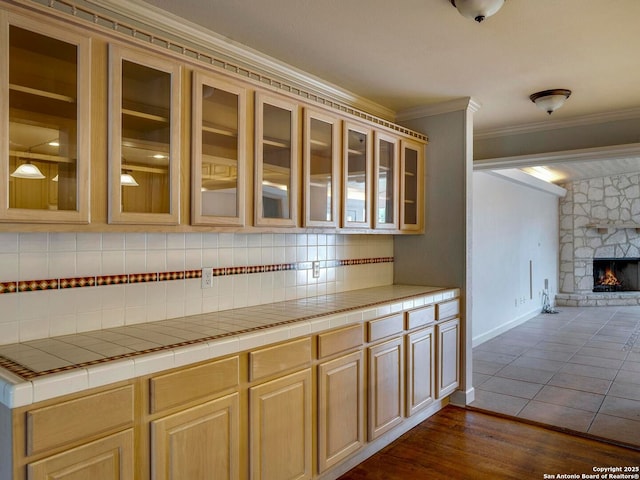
42 121
276 162
146 133
386 175
219 188
356 204
321 173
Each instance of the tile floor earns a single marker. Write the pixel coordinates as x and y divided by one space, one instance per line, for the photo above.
578 369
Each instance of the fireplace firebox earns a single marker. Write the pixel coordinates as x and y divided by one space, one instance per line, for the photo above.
616 275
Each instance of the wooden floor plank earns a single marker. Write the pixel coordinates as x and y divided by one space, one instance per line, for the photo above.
457 443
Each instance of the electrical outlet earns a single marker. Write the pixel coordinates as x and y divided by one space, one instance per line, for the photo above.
316 269
207 277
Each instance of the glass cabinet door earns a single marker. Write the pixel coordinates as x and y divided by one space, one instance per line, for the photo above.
321 163
276 196
45 117
218 166
386 182
144 158
356 209
411 186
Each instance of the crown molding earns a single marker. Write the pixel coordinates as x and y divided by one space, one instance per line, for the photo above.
465 103
596 118
611 152
143 13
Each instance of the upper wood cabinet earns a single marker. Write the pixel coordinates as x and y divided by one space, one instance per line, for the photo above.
44 122
321 169
219 129
411 186
144 137
276 166
386 184
357 176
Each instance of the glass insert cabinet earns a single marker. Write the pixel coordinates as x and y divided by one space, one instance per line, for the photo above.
144 140
44 79
321 168
276 168
219 152
357 174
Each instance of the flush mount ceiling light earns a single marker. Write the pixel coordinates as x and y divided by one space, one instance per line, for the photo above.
28 170
477 10
127 180
550 100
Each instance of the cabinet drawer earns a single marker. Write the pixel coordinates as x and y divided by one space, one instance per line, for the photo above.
183 386
67 422
420 317
272 360
339 341
384 327
448 309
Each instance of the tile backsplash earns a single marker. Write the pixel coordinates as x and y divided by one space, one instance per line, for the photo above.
60 283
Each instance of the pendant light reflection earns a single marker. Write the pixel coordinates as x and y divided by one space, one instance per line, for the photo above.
127 180
27 170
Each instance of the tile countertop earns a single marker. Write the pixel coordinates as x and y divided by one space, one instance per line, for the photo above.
38 370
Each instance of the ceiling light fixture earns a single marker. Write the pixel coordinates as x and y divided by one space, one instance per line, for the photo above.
28 170
550 100
127 180
477 10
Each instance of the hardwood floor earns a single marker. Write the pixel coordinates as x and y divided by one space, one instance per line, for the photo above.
456 444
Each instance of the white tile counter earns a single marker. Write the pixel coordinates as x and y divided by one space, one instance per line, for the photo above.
43 369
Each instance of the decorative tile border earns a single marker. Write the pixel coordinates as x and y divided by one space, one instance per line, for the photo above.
122 279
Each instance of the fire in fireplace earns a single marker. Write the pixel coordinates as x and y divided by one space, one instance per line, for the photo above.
616 274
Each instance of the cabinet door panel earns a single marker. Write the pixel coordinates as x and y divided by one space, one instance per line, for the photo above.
276 185
448 357
201 442
44 145
411 186
321 163
386 184
340 409
420 364
219 152
144 140
280 428
386 386
357 175
110 458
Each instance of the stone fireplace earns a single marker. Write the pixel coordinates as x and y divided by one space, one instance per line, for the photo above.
599 220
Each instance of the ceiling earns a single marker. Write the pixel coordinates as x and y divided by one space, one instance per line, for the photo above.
409 53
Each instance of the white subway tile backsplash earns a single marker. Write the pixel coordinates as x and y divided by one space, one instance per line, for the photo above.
113 241
9 267
9 242
88 242
35 256
135 241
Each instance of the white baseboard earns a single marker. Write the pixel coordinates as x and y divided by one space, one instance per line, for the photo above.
480 339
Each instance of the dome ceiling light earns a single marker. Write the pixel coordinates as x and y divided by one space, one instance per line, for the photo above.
477 10
550 100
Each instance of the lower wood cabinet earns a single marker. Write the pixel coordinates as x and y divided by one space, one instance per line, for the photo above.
340 409
294 410
386 386
420 365
280 428
201 442
448 373
110 458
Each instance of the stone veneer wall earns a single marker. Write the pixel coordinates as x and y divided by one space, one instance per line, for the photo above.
608 200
